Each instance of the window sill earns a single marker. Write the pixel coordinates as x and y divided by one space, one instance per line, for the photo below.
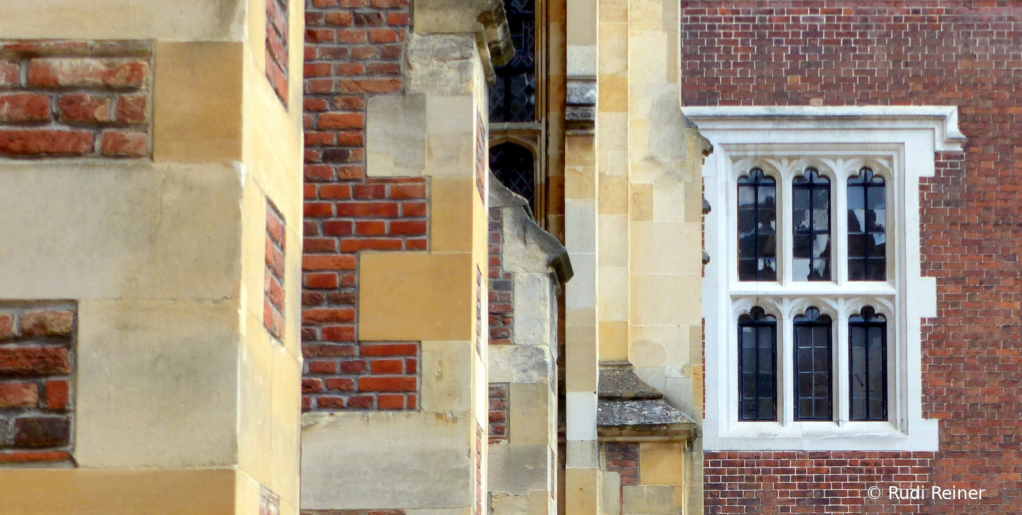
822 436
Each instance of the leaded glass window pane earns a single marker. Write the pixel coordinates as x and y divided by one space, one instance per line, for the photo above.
757 366
757 227
513 165
513 96
867 227
867 342
811 227
813 374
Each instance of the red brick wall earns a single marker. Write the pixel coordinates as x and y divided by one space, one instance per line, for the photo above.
499 411
898 53
501 286
277 37
354 49
273 291
75 99
36 382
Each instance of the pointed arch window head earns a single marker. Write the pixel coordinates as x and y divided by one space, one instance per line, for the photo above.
867 227
811 226
757 227
514 166
513 95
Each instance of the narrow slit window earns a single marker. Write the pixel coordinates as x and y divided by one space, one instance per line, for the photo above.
811 227
813 373
757 366
757 227
867 227
867 339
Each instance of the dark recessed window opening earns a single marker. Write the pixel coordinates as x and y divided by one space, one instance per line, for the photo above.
757 227
757 366
867 226
513 96
867 341
813 373
811 226
514 166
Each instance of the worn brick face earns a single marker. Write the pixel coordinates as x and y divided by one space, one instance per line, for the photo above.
74 99
37 349
273 289
501 291
500 411
277 37
897 53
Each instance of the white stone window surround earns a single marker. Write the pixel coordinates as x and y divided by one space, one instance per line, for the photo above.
899 144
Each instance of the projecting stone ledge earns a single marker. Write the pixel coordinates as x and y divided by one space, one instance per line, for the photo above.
629 409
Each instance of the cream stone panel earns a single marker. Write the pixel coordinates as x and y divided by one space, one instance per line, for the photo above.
404 459
583 495
198 101
579 183
613 163
613 93
669 199
120 230
666 248
530 416
612 11
580 331
610 504
647 500
533 307
659 345
416 296
196 20
286 411
581 234
694 200
451 214
613 294
450 136
580 292
613 341
613 129
516 469
508 504
449 511
578 151
117 492
661 463
665 299
446 371
247 494
540 502
646 15
255 392
647 51
157 384
613 234
613 44
613 194
520 364
396 135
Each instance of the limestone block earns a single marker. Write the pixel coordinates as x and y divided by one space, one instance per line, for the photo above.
198 101
646 15
669 199
520 364
666 248
508 504
582 454
451 214
665 299
581 18
440 64
613 38
117 492
540 502
613 296
580 292
157 384
613 198
443 511
130 230
660 345
647 50
516 469
535 309
396 135
661 463
610 503
446 367
195 20
641 197
404 459
530 417
613 129
580 216
582 490
613 340
613 235
450 136
442 307
255 392
647 500
579 183
286 412
613 94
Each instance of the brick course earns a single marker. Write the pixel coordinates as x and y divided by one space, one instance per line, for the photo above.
37 351
277 37
75 99
872 52
273 290
501 305
500 411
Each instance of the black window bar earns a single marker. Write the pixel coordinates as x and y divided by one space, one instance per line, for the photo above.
813 371
867 337
811 226
757 227
867 227
757 366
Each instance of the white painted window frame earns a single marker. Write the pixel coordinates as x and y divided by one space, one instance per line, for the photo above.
900 142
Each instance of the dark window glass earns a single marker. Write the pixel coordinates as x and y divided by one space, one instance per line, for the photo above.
757 227
513 95
813 399
867 338
757 366
867 227
811 227
513 166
